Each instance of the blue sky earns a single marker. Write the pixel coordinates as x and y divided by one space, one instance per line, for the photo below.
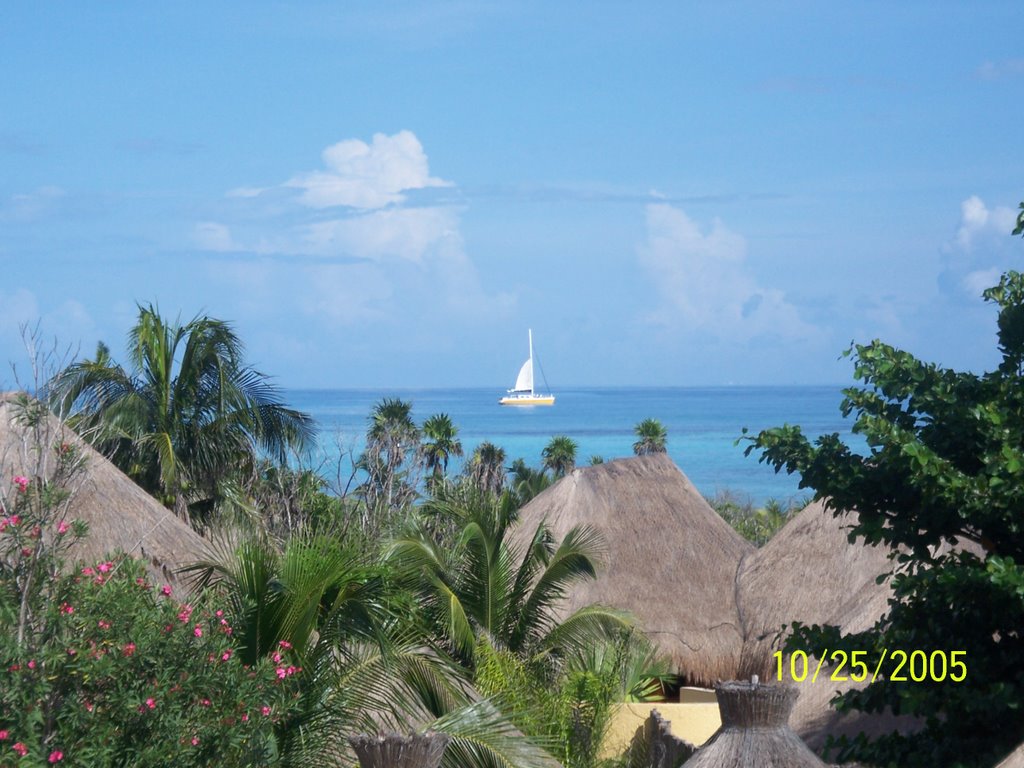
667 193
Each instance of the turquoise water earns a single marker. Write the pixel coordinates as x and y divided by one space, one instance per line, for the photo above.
703 425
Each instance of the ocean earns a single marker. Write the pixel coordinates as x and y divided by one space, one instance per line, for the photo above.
703 426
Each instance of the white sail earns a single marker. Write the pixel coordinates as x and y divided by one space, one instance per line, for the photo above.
524 381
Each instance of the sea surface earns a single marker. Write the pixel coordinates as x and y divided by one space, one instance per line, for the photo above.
703 425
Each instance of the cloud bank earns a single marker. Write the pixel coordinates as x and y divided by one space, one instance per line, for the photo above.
705 286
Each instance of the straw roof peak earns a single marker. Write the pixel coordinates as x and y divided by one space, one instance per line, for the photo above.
671 559
120 515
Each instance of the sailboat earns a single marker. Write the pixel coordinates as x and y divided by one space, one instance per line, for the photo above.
523 393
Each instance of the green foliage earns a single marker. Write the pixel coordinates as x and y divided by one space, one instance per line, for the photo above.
115 675
944 466
486 468
559 455
440 444
756 524
651 437
568 714
527 482
479 583
392 441
186 416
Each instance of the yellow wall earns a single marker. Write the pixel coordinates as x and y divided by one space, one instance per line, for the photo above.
695 718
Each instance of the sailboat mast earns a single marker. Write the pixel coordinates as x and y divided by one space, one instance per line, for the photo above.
529 331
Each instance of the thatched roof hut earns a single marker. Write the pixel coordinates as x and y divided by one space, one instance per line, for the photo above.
121 516
810 572
671 559
755 730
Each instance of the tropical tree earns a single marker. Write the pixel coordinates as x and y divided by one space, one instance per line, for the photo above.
486 468
186 415
362 663
441 442
651 437
484 585
941 481
559 455
527 482
391 438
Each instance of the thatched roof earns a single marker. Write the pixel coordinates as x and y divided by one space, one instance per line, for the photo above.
755 730
121 516
811 573
1013 760
671 559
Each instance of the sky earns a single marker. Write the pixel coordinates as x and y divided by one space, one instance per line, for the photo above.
390 195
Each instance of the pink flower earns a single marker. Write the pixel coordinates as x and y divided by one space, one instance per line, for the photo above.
219 613
22 482
198 631
281 674
205 702
65 608
105 567
103 624
63 527
195 741
245 719
265 710
14 519
87 571
128 650
89 706
151 703
226 655
285 644
166 590
26 552
32 664
277 658
20 748
72 651
3 735
56 756
185 613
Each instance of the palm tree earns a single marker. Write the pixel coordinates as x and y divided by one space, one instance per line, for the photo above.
442 442
652 437
485 586
527 482
186 416
560 455
364 664
391 436
486 468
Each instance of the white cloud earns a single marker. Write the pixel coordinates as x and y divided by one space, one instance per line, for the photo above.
408 234
706 286
980 251
976 282
374 255
977 220
367 176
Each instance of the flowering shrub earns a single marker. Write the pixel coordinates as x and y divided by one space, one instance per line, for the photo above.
98 667
123 676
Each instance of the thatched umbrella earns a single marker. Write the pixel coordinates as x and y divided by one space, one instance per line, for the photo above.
755 730
671 559
811 573
121 516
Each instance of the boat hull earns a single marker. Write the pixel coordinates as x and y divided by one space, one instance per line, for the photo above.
529 400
